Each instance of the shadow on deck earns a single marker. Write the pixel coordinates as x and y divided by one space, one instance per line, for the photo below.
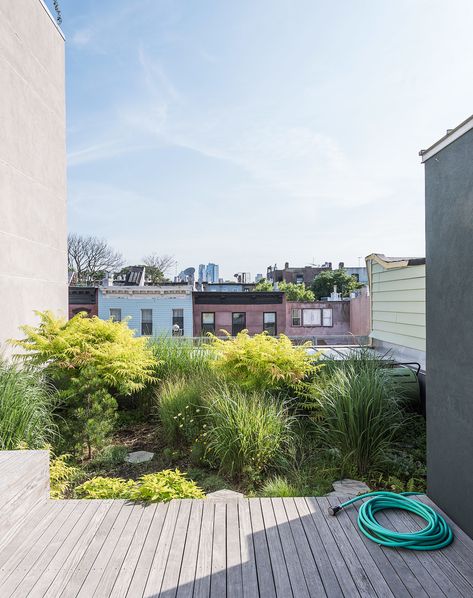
201 548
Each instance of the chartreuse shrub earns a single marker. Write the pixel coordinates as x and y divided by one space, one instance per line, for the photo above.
88 359
154 487
180 406
263 362
359 416
248 433
61 475
27 403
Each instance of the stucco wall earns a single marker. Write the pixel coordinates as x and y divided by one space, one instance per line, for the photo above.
162 306
449 403
360 314
33 264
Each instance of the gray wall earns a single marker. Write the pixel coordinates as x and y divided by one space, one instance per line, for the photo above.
449 234
33 267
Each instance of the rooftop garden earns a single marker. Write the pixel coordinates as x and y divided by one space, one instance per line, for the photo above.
254 414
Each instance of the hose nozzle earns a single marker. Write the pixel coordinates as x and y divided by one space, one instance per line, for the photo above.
334 510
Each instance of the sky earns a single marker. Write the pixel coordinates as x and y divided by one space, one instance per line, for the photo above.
254 133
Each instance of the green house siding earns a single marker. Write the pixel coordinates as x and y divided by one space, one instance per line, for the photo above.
398 305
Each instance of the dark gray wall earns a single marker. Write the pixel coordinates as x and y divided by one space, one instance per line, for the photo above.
449 404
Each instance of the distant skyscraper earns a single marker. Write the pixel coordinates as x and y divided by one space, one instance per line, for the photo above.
211 273
201 276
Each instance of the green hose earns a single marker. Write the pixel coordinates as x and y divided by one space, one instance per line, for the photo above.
436 534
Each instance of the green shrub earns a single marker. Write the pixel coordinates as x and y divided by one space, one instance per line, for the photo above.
359 416
101 487
88 358
247 433
180 408
154 487
263 362
164 486
278 487
179 357
61 475
27 404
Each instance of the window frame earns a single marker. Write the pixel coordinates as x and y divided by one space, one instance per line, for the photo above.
311 309
146 323
234 313
203 325
299 317
112 316
178 320
267 326
327 309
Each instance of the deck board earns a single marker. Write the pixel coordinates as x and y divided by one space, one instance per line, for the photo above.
247 548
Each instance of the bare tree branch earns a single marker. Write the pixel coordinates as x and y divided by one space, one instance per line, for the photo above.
157 266
90 257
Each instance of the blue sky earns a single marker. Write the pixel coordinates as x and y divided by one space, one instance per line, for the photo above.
250 133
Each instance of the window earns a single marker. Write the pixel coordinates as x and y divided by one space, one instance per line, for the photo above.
269 322
208 322
116 314
296 316
177 322
299 279
312 317
327 317
146 322
238 322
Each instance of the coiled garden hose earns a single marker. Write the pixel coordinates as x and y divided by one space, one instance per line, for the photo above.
436 534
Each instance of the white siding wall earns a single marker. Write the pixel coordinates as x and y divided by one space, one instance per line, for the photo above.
398 306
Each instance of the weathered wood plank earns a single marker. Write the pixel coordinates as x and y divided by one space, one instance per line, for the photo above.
189 561
340 566
127 570
276 553
234 572
218 580
145 559
247 551
264 570
203 569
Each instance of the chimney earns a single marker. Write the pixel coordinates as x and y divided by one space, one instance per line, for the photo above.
341 265
108 280
286 265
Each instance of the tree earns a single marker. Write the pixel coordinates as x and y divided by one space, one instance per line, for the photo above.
296 292
90 257
57 8
157 266
264 285
324 283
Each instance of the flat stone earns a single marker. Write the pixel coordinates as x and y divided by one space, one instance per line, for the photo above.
349 488
139 457
225 494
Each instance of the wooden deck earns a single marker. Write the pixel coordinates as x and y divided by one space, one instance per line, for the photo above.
206 548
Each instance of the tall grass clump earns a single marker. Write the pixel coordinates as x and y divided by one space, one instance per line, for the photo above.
177 356
27 403
180 407
248 433
359 415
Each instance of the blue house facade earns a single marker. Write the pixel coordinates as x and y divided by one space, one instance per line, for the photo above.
151 310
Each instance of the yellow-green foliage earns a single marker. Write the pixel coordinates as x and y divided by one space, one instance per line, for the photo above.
263 361
154 487
166 485
124 362
61 475
101 487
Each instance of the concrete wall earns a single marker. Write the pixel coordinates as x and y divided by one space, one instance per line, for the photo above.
131 300
449 405
33 264
398 311
340 319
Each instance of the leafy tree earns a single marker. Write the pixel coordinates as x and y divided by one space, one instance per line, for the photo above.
264 285
323 284
296 292
90 257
